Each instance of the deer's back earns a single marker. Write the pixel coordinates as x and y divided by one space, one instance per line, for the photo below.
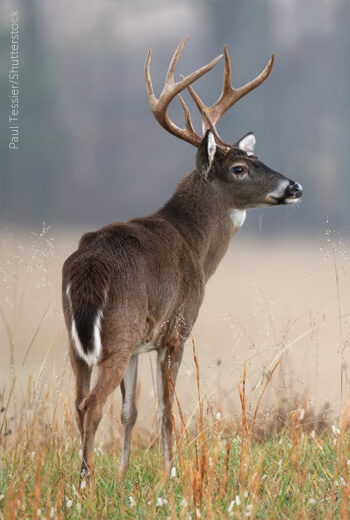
146 274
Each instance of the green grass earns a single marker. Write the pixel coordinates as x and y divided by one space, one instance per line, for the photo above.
292 475
220 470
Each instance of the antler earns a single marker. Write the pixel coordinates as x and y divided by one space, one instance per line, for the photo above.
229 96
210 115
171 89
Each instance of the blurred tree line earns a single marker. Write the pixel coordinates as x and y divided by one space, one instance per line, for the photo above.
90 151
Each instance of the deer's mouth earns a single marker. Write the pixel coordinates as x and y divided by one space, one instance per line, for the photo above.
292 193
293 199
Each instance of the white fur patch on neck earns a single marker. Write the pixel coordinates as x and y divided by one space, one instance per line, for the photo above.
238 217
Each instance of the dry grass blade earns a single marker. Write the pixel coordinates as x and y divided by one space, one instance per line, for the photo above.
45 314
261 395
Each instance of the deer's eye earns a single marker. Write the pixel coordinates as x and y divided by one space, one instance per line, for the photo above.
239 170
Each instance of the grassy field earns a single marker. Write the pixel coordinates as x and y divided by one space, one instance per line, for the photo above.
220 470
262 431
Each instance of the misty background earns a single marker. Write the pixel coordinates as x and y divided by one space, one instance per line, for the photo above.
90 151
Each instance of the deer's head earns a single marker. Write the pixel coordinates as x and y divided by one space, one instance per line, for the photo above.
253 184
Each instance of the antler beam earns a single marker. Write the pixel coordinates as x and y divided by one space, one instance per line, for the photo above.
229 96
210 115
171 89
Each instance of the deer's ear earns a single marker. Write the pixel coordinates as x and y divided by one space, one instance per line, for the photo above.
247 143
206 153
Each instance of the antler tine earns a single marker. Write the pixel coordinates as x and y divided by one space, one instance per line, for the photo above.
206 121
229 96
171 70
170 90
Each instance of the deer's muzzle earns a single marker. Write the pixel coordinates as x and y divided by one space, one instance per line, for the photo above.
293 193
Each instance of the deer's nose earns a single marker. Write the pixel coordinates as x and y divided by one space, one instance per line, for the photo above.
295 190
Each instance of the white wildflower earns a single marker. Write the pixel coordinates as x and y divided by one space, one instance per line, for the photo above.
161 502
230 507
83 484
77 495
312 501
335 430
99 449
69 503
238 500
173 472
218 416
248 510
132 501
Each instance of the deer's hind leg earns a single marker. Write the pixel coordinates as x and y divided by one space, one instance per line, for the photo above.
82 373
111 373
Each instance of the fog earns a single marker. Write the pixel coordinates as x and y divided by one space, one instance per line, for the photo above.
89 150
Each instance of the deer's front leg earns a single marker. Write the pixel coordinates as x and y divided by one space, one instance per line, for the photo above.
129 410
168 364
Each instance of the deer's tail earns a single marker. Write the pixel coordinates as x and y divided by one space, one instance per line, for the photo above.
87 294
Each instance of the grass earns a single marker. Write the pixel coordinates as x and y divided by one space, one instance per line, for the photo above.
220 470
288 460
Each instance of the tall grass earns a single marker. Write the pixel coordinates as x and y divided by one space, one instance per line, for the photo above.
220 470
281 458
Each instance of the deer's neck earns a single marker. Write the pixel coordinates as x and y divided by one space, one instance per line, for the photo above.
203 219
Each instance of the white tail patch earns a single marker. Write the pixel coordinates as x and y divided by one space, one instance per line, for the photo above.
93 357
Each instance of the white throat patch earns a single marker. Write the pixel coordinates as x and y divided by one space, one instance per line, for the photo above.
238 217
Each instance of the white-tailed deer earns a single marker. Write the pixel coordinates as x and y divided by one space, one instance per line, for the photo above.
137 286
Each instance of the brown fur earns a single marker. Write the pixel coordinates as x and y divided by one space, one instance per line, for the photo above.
147 277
